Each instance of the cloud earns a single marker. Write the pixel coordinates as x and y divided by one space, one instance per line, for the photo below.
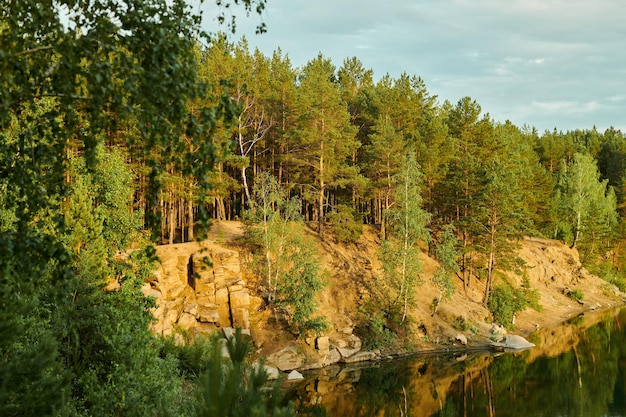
568 107
536 62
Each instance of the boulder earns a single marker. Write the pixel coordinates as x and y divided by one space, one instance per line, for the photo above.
191 308
294 375
286 359
360 357
461 338
271 372
333 357
229 332
347 345
513 341
322 344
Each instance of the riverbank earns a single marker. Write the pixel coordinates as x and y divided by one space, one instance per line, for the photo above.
229 295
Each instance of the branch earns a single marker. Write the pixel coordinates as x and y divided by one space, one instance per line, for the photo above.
72 96
34 50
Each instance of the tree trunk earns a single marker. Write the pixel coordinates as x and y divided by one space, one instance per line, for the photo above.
322 184
190 218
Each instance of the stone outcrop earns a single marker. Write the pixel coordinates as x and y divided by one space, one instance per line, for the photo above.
198 288
286 359
514 342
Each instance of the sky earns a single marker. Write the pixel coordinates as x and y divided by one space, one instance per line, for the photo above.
539 63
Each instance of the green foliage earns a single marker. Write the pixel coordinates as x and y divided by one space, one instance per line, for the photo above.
230 388
373 329
400 252
446 253
460 323
346 224
610 274
302 281
531 295
586 206
576 295
286 258
193 357
504 303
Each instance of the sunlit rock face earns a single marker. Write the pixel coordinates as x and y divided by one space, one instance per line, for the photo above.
198 287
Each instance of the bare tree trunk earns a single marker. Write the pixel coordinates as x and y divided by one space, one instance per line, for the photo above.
190 218
320 218
172 220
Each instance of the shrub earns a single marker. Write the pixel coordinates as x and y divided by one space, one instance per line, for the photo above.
504 303
576 295
610 274
346 224
374 330
460 323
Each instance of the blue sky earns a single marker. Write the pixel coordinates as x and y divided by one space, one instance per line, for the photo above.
542 63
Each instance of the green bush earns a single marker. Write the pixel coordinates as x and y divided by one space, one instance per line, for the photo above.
346 224
531 295
576 295
609 273
460 323
374 330
504 303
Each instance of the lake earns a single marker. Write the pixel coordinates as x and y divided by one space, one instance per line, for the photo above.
578 369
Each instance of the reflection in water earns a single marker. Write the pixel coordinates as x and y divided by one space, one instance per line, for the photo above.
577 370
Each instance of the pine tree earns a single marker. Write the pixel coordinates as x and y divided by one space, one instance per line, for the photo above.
325 136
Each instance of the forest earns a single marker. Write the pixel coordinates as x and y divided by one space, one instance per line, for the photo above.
123 126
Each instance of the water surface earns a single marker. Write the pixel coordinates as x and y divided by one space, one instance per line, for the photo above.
578 369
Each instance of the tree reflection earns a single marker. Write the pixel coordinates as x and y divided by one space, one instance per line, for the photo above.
587 377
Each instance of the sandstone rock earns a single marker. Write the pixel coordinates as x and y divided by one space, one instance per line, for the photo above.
205 288
360 357
235 288
187 321
239 299
206 328
323 344
255 303
223 348
208 315
170 317
333 356
347 331
229 332
294 375
514 341
347 345
498 332
191 308
271 372
286 359
200 268
241 318
145 288
114 285
221 296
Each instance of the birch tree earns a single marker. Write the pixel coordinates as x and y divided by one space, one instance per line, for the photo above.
408 226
